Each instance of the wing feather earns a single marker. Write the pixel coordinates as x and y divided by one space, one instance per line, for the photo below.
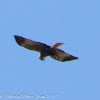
29 44
62 56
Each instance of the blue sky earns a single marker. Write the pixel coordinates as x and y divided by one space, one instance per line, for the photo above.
76 22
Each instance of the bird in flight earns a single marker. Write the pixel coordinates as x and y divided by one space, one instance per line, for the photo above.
45 50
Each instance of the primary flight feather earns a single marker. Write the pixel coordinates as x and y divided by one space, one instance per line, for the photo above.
45 50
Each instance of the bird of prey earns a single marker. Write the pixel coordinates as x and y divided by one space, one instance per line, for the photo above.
45 50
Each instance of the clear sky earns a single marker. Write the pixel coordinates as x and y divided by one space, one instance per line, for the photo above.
76 22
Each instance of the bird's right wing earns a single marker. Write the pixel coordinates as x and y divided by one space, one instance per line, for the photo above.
29 44
62 56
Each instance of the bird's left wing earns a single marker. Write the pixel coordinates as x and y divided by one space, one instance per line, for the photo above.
29 44
62 56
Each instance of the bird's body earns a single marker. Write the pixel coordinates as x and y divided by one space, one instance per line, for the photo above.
45 50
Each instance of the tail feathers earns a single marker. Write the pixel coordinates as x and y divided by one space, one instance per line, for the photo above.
56 45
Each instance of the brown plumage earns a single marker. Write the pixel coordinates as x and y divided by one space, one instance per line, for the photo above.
45 50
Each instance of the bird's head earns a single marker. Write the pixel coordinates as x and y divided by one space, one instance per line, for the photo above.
41 58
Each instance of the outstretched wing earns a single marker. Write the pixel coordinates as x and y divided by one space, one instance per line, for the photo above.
62 56
29 44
